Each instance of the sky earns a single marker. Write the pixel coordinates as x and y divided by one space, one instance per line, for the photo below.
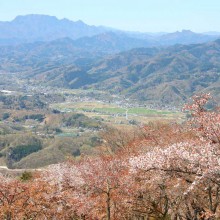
131 15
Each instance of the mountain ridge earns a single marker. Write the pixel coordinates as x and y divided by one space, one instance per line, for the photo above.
45 28
167 75
36 27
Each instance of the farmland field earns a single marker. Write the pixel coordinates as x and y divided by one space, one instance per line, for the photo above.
117 114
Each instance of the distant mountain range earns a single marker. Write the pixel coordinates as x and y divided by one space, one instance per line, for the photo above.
163 75
163 68
168 76
32 28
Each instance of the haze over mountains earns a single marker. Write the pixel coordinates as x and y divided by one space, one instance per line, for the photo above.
31 28
164 68
45 28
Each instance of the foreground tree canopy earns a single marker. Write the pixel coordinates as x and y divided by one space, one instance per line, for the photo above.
161 172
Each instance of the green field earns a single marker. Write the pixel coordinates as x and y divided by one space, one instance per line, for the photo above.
113 113
136 111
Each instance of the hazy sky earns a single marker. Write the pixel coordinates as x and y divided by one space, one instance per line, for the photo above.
136 15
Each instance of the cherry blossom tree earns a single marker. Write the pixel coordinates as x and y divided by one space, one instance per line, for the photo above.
205 123
98 186
191 166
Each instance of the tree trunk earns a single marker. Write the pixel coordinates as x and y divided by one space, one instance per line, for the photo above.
108 208
8 216
108 211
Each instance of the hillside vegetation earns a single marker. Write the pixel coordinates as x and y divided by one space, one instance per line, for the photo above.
160 172
151 75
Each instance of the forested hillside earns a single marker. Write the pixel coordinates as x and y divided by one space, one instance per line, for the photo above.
152 75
